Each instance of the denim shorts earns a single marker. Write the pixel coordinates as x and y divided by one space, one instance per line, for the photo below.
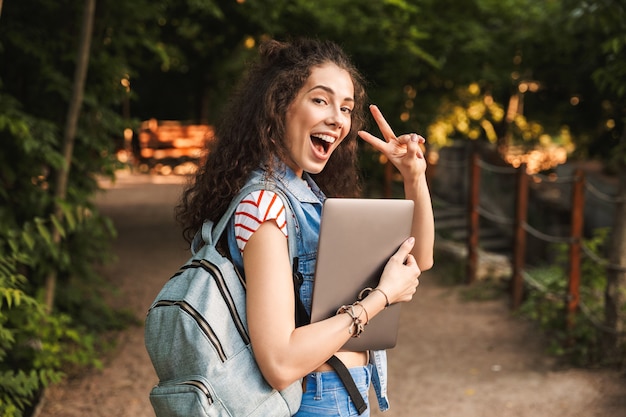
325 394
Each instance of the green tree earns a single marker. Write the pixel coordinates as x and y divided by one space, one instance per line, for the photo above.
179 60
583 86
38 56
607 21
69 134
571 52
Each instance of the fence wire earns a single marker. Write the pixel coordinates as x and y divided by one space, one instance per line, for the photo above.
494 217
556 297
601 261
489 213
596 322
553 179
542 236
452 164
602 195
496 168
556 239
455 208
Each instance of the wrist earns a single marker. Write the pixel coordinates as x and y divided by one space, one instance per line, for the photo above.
367 291
414 183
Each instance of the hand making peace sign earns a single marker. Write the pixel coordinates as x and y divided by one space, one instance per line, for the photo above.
404 151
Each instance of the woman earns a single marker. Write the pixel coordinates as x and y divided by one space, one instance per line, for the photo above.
295 121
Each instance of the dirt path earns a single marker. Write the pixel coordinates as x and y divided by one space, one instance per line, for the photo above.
454 358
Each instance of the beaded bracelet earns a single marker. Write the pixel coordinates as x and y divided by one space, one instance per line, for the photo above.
366 291
357 326
367 316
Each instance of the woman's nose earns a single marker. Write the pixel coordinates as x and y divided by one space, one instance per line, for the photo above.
335 119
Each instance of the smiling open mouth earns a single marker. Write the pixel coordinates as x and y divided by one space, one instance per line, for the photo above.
322 142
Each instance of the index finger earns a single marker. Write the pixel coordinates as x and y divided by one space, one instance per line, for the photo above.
384 127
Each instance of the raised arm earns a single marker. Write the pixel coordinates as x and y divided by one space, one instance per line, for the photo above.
406 154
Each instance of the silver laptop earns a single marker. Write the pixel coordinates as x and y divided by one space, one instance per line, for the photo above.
357 238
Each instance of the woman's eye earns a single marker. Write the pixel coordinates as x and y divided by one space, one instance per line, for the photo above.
319 101
347 110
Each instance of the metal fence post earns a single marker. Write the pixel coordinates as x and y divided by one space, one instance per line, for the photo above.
473 220
573 290
519 245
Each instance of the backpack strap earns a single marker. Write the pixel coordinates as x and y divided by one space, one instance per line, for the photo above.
302 318
348 382
210 233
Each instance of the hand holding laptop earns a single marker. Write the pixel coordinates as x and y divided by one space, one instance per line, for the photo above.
363 244
400 276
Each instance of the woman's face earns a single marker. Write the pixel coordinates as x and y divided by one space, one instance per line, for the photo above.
319 118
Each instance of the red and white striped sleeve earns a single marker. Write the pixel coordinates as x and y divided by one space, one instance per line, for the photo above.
254 209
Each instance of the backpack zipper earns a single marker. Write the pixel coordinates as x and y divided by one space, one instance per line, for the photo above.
221 284
200 386
228 298
202 323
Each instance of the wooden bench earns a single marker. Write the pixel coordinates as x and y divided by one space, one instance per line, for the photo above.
169 143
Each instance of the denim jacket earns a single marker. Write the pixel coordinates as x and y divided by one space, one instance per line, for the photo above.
306 201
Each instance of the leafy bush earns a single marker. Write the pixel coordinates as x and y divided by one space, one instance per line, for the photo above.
546 304
37 347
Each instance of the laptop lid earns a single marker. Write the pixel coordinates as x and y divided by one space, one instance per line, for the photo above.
357 238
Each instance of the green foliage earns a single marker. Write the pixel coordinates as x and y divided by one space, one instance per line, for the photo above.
35 347
546 304
586 38
38 347
387 39
466 115
179 59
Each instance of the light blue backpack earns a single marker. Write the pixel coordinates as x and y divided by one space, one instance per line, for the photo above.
196 334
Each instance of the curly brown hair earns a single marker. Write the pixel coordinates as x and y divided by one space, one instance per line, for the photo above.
252 130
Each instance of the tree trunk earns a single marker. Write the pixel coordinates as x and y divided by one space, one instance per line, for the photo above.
615 296
73 112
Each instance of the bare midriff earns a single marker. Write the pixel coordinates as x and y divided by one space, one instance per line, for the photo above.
350 359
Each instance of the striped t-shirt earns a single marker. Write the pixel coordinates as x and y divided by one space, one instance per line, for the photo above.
256 208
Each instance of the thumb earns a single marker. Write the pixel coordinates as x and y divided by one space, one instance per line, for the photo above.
405 249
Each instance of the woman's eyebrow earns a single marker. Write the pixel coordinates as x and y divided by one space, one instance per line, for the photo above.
328 90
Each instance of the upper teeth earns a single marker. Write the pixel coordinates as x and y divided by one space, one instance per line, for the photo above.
326 138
